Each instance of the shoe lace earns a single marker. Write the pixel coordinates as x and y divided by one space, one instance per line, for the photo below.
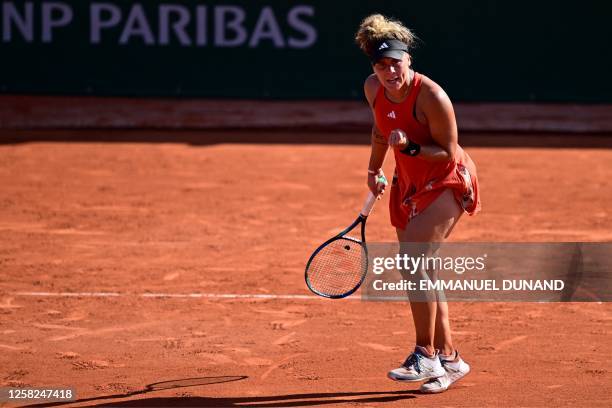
414 360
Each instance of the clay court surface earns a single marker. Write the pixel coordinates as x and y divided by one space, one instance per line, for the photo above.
118 224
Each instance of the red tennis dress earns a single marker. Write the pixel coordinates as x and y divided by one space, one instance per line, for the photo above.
418 182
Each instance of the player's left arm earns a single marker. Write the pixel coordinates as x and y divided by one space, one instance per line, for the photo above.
438 109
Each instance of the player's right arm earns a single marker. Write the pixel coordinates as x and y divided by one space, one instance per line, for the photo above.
378 141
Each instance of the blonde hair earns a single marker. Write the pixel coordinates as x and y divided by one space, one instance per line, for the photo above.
376 27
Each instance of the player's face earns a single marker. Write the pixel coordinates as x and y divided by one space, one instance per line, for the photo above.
393 73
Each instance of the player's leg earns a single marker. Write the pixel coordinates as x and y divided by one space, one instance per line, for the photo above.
454 366
433 225
442 336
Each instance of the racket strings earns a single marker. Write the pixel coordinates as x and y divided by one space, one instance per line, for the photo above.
338 268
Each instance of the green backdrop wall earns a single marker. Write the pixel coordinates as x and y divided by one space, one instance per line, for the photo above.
477 50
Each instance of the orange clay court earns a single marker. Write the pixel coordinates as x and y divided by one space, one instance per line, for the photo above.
119 262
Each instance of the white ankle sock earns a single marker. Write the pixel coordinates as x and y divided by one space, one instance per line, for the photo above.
449 357
449 360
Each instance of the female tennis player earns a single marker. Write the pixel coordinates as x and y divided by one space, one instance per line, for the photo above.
433 185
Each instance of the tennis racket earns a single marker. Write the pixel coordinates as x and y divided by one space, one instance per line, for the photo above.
338 267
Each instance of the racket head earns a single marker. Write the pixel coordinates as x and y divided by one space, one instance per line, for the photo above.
193 382
338 267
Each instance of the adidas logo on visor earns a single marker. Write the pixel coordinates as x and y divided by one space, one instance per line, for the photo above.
383 46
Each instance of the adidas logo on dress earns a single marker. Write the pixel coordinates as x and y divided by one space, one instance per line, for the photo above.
391 115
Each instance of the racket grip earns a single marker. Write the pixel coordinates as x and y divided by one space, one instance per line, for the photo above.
368 205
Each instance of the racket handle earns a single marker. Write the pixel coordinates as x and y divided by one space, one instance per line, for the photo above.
368 205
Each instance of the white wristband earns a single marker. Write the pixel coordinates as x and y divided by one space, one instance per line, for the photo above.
373 171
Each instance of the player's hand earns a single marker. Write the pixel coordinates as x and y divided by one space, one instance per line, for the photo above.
398 138
377 183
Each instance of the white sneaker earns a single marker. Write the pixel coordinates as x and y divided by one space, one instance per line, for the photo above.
418 367
454 371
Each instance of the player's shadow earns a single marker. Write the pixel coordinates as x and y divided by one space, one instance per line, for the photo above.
290 400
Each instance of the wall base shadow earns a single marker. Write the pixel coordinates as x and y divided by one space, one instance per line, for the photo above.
200 137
